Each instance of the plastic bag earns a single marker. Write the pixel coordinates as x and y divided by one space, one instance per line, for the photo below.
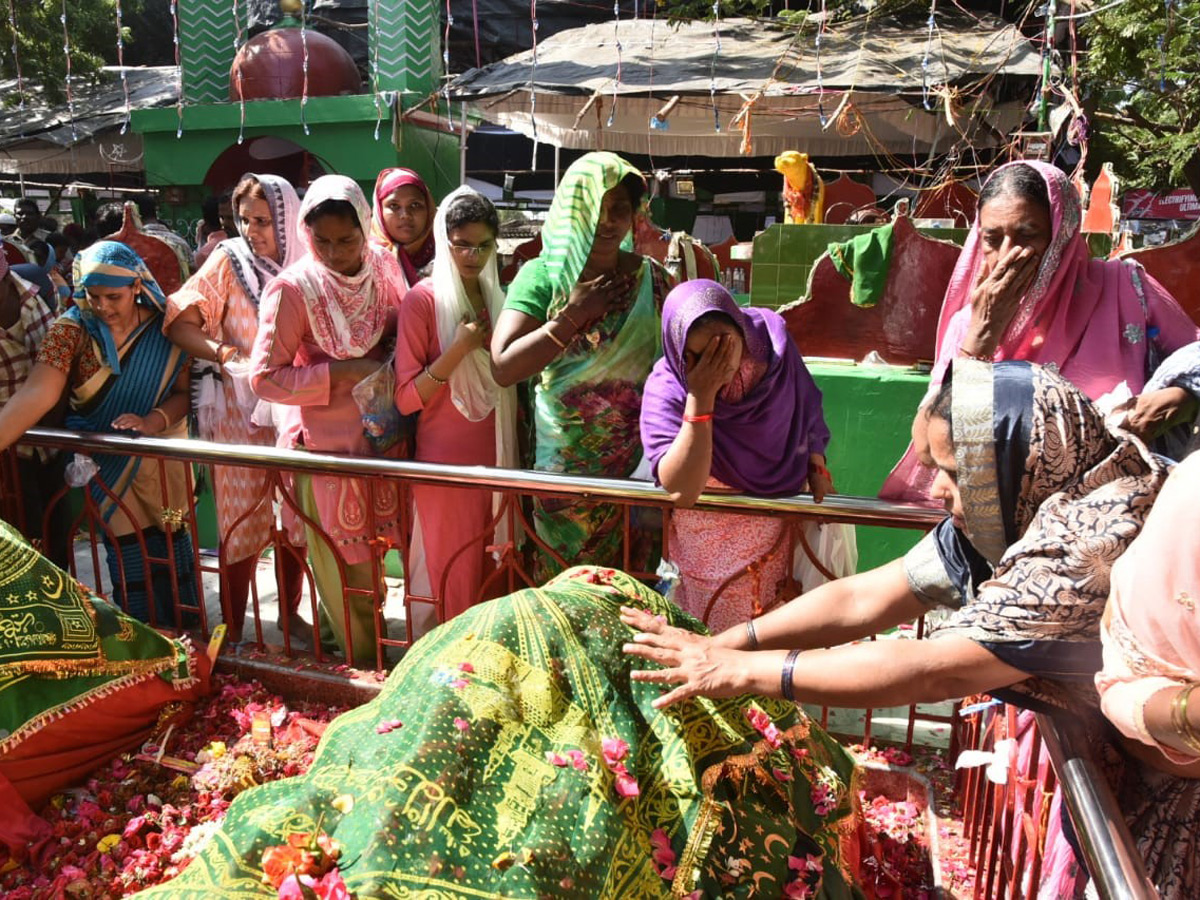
376 399
668 580
80 470
835 544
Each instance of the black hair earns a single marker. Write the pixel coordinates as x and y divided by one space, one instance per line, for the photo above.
109 218
712 317
635 187
27 201
59 242
467 209
343 209
210 211
1019 180
942 405
41 251
147 206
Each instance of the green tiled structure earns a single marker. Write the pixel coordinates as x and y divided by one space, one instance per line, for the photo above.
405 46
784 256
208 32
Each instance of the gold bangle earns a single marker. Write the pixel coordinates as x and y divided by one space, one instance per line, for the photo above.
550 334
166 421
565 315
1179 718
435 379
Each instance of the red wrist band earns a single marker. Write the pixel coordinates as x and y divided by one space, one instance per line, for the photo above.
707 417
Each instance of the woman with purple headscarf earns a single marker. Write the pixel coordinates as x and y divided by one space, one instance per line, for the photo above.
730 405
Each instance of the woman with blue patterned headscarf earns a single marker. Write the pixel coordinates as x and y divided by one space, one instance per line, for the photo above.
124 376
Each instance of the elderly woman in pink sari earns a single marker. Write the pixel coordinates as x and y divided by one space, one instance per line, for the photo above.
1151 637
325 323
730 405
1026 287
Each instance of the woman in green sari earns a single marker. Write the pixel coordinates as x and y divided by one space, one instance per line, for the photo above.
510 755
583 317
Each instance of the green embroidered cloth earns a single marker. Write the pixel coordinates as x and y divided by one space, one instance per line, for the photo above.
864 261
480 772
61 647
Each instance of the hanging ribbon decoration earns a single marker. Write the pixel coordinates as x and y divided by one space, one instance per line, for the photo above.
712 71
612 113
742 120
237 46
475 24
178 69
67 54
304 44
375 67
533 24
12 22
121 63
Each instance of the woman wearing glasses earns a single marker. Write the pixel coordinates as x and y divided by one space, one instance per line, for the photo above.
443 370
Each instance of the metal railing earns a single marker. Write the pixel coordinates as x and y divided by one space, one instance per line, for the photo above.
1117 869
1006 826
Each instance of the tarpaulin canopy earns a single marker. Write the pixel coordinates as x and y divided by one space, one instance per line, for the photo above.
877 85
85 134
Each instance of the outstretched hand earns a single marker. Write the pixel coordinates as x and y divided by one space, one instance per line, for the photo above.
691 661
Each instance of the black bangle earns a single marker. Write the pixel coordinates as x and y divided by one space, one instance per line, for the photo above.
785 680
750 635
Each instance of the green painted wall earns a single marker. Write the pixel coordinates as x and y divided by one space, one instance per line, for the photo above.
869 410
341 136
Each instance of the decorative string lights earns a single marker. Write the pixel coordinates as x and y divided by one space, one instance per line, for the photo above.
820 81
121 63
67 54
375 67
712 71
304 45
178 68
612 113
533 25
12 22
931 23
237 45
446 66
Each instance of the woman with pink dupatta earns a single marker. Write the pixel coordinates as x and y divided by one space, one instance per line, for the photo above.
403 221
214 318
443 371
1025 287
325 322
1151 636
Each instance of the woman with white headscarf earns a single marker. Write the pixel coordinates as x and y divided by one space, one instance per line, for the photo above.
214 318
324 326
443 371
